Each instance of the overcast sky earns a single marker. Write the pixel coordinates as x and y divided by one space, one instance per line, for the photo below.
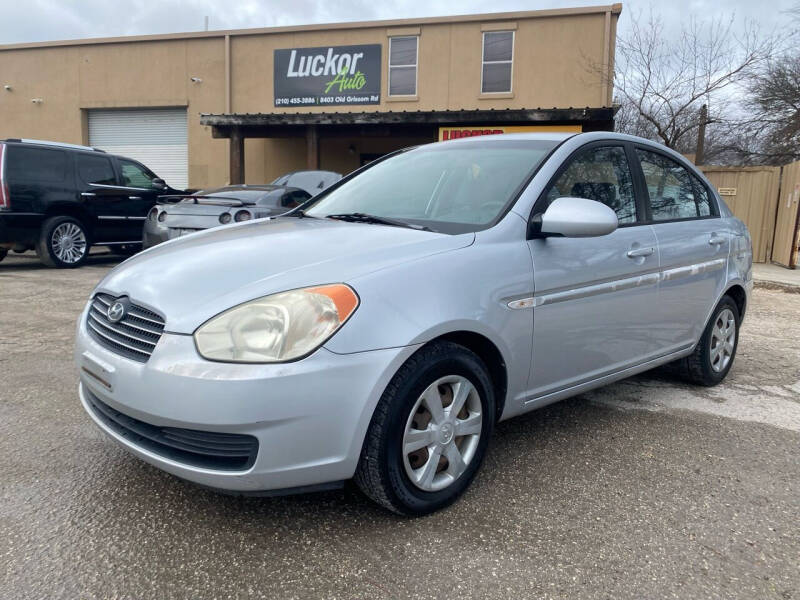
41 20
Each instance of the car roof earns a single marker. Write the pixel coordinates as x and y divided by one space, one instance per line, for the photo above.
548 137
575 139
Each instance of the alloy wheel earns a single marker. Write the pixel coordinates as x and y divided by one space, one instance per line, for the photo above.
68 242
723 339
442 433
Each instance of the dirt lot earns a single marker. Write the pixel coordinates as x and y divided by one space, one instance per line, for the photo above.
644 489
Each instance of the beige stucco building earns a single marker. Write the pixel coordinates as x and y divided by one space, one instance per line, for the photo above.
328 96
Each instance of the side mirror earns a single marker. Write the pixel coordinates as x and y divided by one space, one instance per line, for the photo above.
159 183
575 217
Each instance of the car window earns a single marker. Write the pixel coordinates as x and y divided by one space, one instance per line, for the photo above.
96 169
134 175
296 198
600 174
673 193
36 164
704 206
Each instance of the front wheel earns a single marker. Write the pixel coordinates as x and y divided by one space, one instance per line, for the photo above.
429 432
63 243
713 356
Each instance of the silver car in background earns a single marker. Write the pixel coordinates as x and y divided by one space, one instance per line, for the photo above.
382 330
176 216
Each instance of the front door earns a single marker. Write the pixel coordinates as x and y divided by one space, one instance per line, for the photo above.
101 195
593 297
141 192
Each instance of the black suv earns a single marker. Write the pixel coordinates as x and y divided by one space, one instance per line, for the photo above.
61 199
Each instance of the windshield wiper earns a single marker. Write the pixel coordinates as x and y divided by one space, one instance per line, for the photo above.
357 217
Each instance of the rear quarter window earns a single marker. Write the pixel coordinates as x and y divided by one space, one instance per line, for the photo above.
36 164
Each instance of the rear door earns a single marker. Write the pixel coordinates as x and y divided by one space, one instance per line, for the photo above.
694 245
594 297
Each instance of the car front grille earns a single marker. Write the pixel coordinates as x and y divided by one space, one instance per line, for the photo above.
134 336
205 449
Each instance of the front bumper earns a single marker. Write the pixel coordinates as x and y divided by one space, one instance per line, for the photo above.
309 417
153 234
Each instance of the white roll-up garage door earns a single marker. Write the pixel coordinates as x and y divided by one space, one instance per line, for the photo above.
155 137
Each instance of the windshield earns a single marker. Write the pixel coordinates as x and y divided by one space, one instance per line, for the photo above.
450 188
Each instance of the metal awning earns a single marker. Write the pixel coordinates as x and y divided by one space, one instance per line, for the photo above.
223 122
311 125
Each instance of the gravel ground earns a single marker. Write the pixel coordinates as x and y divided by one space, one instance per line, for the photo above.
644 489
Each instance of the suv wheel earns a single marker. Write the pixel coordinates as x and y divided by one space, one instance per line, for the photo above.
63 243
429 432
713 357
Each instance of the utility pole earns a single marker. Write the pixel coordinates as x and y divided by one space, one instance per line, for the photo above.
701 136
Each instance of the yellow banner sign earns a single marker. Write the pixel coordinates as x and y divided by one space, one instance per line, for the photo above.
454 133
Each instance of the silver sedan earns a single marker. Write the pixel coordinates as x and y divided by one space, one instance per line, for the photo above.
381 332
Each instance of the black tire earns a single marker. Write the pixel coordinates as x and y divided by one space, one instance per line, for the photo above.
381 473
3 253
45 244
697 368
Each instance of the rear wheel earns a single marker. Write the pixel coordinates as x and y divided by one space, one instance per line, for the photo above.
429 432
713 356
63 243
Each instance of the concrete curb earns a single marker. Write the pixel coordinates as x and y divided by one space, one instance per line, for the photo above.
777 285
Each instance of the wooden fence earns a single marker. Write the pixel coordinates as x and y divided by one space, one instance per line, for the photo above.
767 200
786 247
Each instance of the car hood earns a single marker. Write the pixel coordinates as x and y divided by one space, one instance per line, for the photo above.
191 279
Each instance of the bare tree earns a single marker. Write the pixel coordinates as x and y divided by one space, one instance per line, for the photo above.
661 80
772 134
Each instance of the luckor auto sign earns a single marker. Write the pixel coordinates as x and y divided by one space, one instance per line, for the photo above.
328 76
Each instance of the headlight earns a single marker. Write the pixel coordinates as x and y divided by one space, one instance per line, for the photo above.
152 214
277 328
225 218
242 215
162 216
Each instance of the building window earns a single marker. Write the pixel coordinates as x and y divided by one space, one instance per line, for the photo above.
403 65
498 55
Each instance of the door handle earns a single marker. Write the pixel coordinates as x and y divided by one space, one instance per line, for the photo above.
640 252
716 240
134 197
88 194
